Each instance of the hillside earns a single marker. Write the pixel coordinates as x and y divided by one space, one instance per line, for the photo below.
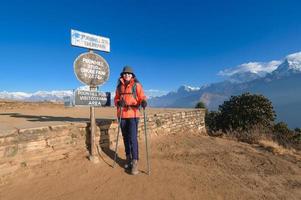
182 167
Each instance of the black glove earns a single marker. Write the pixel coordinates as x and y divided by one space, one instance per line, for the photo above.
121 103
143 104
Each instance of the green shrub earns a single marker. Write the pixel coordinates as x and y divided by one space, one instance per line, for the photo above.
246 111
250 118
212 121
286 137
297 136
281 128
200 104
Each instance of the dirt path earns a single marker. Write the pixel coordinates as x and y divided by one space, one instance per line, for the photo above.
191 167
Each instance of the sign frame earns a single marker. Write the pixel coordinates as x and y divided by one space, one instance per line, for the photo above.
90 41
89 94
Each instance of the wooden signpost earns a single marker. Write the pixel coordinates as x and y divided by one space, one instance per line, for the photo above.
92 70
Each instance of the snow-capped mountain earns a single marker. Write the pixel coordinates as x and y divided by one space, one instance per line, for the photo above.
294 61
282 86
14 95
280 81
291 65
243 77
37 96
249 71
188 88
58 96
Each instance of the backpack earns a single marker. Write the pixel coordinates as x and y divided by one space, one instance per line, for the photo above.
134 90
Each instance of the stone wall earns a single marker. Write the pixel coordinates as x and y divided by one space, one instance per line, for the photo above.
28 147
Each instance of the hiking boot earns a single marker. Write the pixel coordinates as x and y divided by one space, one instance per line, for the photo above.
128 164
135 167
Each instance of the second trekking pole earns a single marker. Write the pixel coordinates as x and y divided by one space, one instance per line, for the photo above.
146 143
119 127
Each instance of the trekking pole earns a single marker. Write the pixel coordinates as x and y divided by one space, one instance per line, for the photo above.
119 124
146 143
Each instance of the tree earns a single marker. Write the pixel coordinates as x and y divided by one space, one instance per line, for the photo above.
245 111
200 104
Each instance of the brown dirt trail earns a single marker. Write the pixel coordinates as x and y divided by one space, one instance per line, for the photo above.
182 167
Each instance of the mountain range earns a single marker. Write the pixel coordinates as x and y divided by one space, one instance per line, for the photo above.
280 81
53 96
282 86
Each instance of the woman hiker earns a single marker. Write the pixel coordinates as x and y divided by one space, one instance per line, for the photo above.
129 96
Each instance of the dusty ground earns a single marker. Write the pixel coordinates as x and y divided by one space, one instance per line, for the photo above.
182 167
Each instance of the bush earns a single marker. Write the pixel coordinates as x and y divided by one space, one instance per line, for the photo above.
246 111
298 130
281 128
200 104
281 133
250 118
297 136
286 137
212 121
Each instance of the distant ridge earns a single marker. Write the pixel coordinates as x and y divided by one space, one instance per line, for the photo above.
52 96
282 85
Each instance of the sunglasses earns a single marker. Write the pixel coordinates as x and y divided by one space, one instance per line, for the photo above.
126 73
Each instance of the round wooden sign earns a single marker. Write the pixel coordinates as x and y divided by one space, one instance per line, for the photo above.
91 69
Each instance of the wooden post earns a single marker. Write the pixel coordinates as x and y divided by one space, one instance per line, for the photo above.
93 153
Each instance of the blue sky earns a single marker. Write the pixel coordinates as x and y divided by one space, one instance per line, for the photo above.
168 43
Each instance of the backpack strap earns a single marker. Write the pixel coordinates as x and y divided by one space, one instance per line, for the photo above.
134 90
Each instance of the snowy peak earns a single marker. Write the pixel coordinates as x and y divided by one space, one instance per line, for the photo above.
36 96
243 77
291 65
294 61
249 71
56 93
14 95
186 88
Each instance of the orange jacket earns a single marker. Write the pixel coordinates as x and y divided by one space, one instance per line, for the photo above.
125 92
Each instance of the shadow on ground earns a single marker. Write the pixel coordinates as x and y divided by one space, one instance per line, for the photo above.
46 118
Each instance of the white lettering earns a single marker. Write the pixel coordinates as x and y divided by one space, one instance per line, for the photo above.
93 62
